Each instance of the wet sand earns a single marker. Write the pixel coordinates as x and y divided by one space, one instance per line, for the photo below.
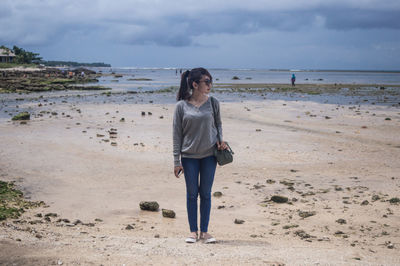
338 165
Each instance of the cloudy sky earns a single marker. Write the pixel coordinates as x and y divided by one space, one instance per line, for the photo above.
293 34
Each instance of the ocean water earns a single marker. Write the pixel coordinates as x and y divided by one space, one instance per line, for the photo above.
160 78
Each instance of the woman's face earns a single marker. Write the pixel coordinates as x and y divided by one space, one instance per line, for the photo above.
204 85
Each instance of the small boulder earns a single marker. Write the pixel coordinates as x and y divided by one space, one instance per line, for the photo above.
279 199
149 206
168 213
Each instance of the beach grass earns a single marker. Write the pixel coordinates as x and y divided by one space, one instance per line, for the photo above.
12 202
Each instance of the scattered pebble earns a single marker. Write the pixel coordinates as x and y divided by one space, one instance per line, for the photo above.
305 214
217 194
365 202
238 221
341 221
129 227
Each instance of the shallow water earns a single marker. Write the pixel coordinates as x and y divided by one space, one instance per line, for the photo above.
164 78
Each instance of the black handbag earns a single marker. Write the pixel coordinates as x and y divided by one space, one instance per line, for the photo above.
223 156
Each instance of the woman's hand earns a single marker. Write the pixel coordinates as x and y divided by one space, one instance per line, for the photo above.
178 170
222 145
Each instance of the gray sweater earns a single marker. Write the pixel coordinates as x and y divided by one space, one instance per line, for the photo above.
194 131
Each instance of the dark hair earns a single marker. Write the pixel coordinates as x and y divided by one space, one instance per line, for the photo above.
187 79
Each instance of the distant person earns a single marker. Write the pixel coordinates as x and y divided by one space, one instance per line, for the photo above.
82 74
194 139
293 79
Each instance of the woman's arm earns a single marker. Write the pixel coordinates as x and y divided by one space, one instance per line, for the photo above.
177 135
220 144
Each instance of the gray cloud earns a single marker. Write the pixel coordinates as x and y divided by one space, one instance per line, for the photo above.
177 23
362 19
257 29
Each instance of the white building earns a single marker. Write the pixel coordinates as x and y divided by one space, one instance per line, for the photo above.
6 56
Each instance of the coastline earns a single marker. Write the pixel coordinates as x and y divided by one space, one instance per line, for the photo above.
326 157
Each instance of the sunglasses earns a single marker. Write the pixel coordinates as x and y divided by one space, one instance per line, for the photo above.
208 82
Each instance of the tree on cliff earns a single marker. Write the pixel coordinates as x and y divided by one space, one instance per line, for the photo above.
25 57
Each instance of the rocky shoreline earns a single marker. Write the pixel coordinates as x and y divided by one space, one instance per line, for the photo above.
48 79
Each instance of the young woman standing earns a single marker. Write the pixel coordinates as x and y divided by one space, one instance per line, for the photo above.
194 140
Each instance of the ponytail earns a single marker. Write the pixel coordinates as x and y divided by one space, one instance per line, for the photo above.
183 93
187 79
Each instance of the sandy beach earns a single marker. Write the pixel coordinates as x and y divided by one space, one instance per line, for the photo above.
338 165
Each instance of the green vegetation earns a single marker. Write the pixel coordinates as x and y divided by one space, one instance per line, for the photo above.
59 81
394 200
25 57
12 203
11 65
22 56
22 116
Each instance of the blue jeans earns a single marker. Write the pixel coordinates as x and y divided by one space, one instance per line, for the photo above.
192 168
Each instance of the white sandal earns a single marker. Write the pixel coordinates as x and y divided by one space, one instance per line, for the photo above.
191 239
209 240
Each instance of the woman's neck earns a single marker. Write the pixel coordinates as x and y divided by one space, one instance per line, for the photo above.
198 97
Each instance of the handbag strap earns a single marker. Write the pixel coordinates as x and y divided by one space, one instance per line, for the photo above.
216 125
215 117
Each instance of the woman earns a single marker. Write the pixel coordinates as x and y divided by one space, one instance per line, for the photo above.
194 140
